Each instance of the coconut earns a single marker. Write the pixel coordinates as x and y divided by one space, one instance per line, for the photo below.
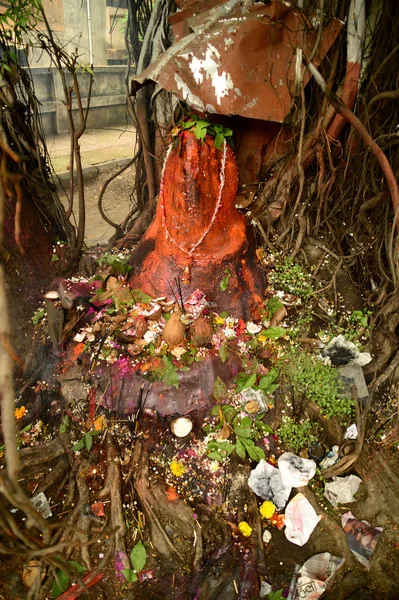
201 332
181 427
174 330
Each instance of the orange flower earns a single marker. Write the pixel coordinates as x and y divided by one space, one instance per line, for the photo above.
277 520
19 412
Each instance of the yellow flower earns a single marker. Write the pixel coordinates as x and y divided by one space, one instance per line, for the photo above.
19 412
177 468
267 509
262 338
245 529
219 320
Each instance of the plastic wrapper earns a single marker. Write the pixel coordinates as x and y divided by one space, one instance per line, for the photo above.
300 520
340 351
330 458
351 433
266 482
362 538
342 490
42 506
295 471
312 579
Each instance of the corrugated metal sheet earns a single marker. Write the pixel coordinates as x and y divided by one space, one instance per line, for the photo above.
237 58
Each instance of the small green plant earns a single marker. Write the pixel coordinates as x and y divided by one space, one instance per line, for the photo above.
266 383
318 382
166 371
64 424
298 435
242 430
61 579
118 262
272 306
38 315
200 128
138 558
290 277
86 441
278 595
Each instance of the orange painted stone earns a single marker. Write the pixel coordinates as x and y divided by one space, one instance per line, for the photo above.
197 233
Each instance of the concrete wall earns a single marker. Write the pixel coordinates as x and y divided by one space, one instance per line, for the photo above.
108 100
69 22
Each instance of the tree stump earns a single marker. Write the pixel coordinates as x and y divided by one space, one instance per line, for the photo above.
197 234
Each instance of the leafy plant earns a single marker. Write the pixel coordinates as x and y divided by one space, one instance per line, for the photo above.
273 305
201 127
38 315
319 382
290 277
166 371
273 333
118 263
138 558
266 383
244 429
85 442
298 435
61 579
64 424
278 595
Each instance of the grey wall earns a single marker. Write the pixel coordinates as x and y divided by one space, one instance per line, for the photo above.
108 99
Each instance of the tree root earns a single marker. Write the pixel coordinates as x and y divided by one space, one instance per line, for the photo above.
112 489
37 455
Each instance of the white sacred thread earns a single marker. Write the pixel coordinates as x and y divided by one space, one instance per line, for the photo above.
215 212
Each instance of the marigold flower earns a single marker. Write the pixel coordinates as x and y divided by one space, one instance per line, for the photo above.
19 412
177 468
245 529
267 509
219 320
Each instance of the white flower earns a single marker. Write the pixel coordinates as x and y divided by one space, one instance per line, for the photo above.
280 294
150 336
229 333
178 351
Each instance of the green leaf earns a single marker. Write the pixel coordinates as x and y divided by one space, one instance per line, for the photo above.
219 140
246 422
88 441
223 352
243 432
79 568
272 306
266 382
240 449
273 333
250 381
215 410
129 575
215 455
38 315
138 556
140 296
219 389
79 445
224 284
229 413
254 452
60 584
200 129
187 124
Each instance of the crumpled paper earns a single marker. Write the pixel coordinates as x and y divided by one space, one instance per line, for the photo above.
341 490
294 470
300 520
362 538
312 579
265 480
351 433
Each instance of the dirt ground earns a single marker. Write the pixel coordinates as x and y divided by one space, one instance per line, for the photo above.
117 203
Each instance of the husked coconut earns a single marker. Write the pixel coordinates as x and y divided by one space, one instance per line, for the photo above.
201 332
174 330
181 427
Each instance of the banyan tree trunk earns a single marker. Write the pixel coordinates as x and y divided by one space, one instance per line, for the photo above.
197 234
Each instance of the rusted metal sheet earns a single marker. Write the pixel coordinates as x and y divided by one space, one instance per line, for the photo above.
238 58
